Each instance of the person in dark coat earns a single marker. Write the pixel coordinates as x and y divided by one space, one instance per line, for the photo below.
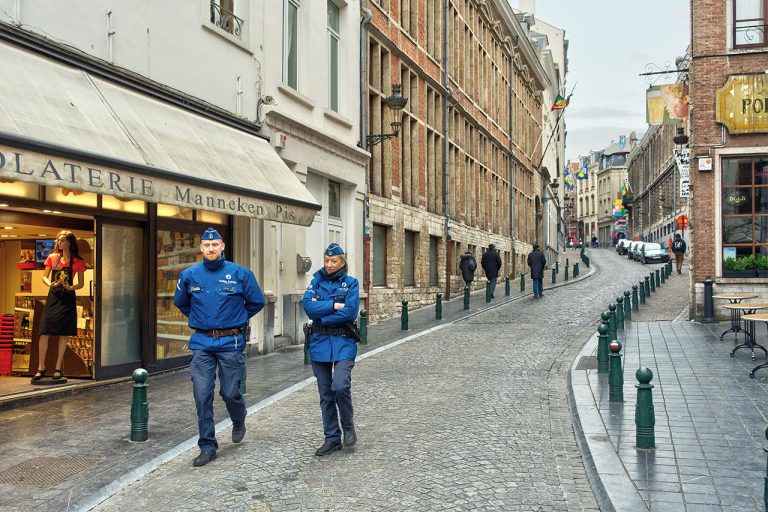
537 262
491 263
468 265
678 248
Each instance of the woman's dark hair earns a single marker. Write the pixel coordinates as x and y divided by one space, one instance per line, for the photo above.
73 250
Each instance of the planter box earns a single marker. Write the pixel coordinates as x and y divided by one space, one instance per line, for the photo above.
741 273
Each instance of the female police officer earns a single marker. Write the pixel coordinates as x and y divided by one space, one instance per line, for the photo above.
331 302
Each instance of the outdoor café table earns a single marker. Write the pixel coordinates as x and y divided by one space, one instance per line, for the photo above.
748 309
750 321
734 298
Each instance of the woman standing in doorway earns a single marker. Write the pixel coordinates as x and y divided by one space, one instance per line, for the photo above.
60 313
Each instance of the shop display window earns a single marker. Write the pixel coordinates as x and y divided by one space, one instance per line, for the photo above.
211 217
71 196
176 250
123 205
174 212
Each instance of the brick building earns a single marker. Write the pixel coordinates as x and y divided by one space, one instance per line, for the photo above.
728 142
461 174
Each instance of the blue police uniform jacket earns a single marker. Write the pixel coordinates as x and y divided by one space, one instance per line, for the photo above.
217 295
318 304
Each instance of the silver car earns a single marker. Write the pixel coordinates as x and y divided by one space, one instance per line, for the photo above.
652 252
636 251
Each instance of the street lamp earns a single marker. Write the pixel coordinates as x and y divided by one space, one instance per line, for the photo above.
396 103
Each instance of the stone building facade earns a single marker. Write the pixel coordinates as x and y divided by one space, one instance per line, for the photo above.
460 175
729 146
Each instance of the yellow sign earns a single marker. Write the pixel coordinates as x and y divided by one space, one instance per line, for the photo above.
742 104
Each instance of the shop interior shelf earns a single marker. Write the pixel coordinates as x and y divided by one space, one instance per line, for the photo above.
24 340
165 295
172 336
26 310
171 322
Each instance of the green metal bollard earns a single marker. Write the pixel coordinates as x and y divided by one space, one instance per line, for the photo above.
658 283
616 377
612 333
653 283
575 270
522 282
557 267
620 313
554 276
647 288
635 299
586 261
487 292
645 419
565 273
364 325
602 343
404 316
139 406
642 292
507 291
439 307
663 275
627 307
466 298
567 263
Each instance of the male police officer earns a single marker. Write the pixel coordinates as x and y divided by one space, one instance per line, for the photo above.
218 297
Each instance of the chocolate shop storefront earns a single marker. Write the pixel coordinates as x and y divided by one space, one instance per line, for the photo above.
137 180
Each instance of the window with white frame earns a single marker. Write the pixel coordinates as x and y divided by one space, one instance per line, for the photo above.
291 44
333 56
223 16
749 23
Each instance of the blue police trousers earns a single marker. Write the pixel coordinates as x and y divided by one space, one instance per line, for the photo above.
231 366
334 382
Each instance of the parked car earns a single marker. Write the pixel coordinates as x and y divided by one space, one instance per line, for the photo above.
637 251
631 249
654 252
622 246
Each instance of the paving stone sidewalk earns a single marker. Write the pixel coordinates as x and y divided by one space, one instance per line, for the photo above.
79 443
710 416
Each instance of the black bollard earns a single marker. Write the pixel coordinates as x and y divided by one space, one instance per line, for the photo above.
658 283
614 327
635 299
709 305
554 276
364 327
404 316
645 419
653 283
602 343
647 287
575 270
522 282
620 313
663 275
439 307
565 272
507 290
466 298
642 292
557 267
139 406
627 307
616 377
487 291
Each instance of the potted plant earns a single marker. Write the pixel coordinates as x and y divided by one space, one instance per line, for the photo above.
746 266
762 266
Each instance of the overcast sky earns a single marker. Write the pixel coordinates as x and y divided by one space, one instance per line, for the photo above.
610 43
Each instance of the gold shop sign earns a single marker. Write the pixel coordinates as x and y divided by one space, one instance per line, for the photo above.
742 104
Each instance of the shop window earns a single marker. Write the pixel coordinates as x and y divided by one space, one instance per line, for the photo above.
123 205
174 212
71 196
744 200
379 255
749 23
211 217
433 260
176 250
409 257
290 44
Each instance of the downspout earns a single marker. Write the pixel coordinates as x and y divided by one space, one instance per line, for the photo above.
512 161
366 19
446 209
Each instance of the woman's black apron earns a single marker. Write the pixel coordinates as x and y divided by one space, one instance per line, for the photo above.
60 313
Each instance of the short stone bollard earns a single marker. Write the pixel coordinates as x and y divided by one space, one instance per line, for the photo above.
139 406
627 307
554 276
487 291
364 324
635 299
522 282
466 298
404 316
647 287
620 313
642 292
653 283
645 419
439 307
507 290
602 344
616 378
614 327
658 282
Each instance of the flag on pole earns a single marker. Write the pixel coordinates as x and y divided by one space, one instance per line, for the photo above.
569 180
583 174
560 103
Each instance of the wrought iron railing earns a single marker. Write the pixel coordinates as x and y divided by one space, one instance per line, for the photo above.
226 20
751 34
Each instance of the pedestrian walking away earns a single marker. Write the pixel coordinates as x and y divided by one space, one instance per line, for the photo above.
537 261
678 247
468 265
218 297
331 301
491 263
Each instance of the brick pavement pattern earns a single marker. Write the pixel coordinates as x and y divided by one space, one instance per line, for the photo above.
472 417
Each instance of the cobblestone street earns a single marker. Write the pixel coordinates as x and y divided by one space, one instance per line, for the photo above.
472 417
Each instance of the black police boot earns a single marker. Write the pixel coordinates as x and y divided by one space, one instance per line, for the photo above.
203 459
327 448
350 438
238 432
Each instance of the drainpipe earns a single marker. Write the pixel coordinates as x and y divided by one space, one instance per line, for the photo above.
446 182
110 38
363 129
512 163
